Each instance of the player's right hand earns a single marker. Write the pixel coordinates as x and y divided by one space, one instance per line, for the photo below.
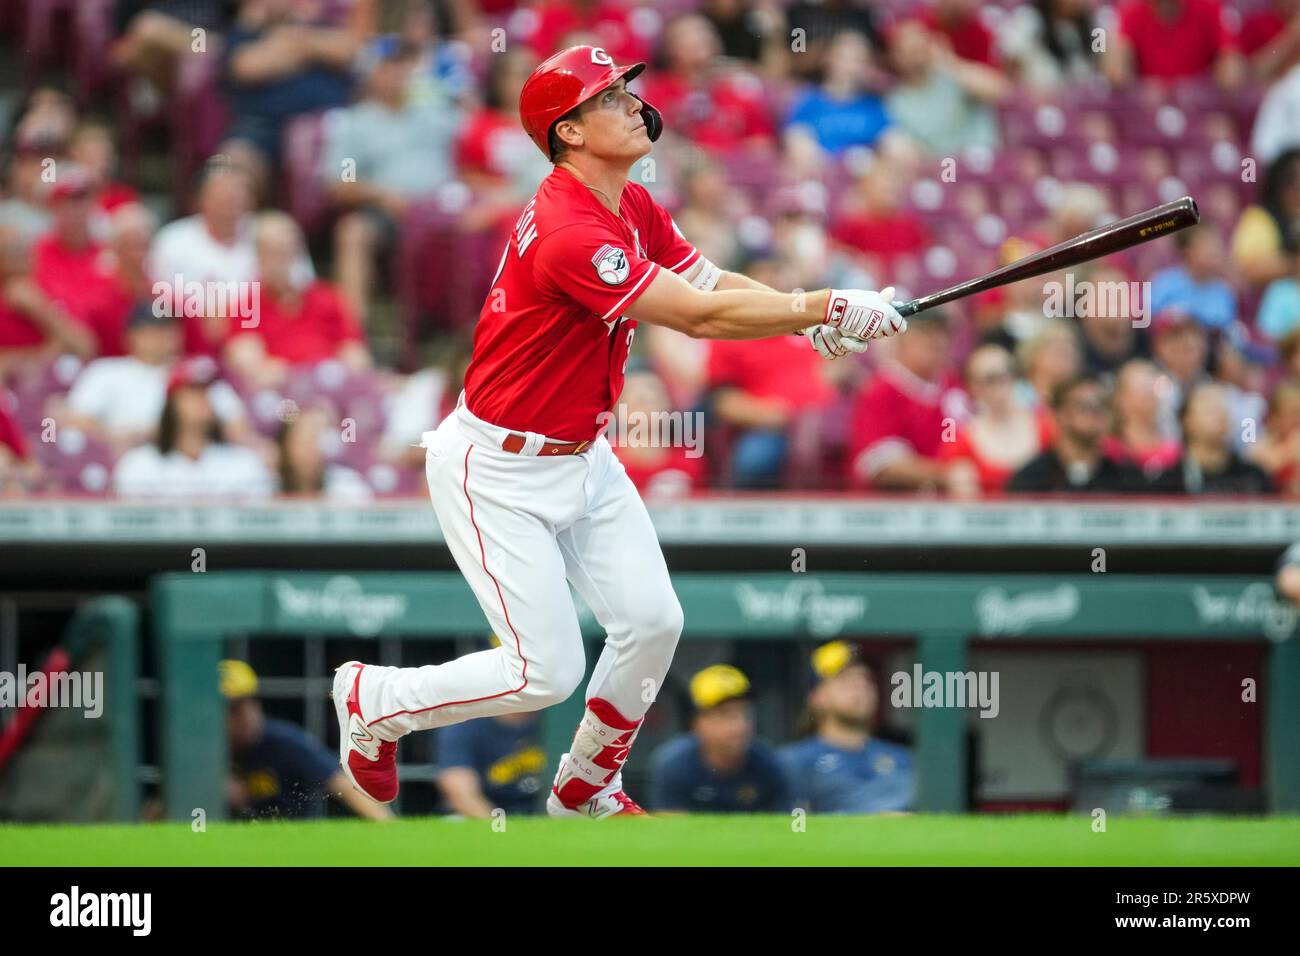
864 314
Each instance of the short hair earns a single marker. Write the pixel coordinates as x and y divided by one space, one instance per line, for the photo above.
554 145
1062 392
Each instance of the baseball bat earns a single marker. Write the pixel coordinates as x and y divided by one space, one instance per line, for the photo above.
1093 244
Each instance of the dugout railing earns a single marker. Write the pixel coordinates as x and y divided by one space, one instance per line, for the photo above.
193 614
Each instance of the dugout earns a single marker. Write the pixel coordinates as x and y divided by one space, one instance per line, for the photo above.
946 621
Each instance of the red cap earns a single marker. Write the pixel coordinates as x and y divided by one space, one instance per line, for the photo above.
70 181
199 371
563 81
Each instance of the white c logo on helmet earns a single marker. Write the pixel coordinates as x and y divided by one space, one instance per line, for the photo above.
600 57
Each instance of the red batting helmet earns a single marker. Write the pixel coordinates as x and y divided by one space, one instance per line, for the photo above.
569 78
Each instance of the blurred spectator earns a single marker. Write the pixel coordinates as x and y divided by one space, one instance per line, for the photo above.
304 472
296 323
1076 461
1266 241
153 35
842 768
441 72
841 111
751 31
659 471
1001 435
187 458
1169 40
19 470
876 221
124 268
713 105
898 420
1209 466
941 101
1181 347
720 766
93 150
1242 366
22 202
1197 282
382 153
1136 437
1078 208
33 328
494 155
276 65
66 261
120 398
614 26
819 21
1050 357
1270 36
1048 44
276 770
424 400
1108 340
711 208
492 763
759 387
1277 124
958 24
1278 451
213 247
1279 309
1013 313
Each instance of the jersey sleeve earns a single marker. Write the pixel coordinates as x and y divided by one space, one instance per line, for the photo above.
665 243
593 267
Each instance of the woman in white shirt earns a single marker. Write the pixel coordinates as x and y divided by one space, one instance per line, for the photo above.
187 459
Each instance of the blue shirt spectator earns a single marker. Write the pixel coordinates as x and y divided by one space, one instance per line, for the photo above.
1210 302
1279 310
505 755
682 780
838 123
874 778
284 773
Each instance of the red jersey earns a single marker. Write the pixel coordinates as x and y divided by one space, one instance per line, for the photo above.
552 339
781 367
310 331
1186 45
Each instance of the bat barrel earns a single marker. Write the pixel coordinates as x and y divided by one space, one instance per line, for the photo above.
1156 222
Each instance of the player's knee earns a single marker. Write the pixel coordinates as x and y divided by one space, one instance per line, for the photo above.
555 682
661 620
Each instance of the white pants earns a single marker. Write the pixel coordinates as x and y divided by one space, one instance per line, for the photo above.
519 526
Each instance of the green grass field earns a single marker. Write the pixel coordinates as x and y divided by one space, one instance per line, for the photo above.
668 841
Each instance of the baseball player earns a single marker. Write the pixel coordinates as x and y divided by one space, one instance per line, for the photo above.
527 490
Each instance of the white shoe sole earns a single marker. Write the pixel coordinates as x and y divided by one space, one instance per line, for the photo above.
343 676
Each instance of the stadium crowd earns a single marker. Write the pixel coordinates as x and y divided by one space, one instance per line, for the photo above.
351 168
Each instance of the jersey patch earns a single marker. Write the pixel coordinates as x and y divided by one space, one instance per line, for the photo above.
611 264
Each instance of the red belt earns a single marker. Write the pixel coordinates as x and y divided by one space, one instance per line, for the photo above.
514 444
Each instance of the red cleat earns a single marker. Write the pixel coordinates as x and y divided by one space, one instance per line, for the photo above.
369 763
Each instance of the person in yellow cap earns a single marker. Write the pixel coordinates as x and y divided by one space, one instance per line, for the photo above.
841 768
720 766
276 769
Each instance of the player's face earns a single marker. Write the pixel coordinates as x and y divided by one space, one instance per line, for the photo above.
850 697
612 126
727 728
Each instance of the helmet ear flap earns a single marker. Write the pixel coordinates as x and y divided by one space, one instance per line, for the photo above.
654 120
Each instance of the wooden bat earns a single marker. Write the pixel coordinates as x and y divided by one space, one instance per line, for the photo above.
1102 241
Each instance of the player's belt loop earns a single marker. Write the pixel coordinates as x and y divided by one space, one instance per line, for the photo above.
533 443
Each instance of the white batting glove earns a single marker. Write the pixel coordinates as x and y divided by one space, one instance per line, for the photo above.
831 343
864 314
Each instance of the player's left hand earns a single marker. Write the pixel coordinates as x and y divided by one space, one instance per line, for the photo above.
831 343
